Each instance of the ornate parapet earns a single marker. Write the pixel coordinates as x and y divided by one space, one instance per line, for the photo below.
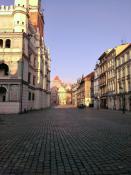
6 9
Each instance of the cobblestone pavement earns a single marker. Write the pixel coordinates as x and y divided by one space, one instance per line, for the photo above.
66 142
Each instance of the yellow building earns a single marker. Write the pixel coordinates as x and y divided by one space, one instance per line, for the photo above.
123 79
62 96
111 75
84 90
24 58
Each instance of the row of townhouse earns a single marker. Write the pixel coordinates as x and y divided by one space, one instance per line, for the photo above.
83 91
112 79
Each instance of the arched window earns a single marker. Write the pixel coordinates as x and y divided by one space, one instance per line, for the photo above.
1 43
8 43
3 92
4 69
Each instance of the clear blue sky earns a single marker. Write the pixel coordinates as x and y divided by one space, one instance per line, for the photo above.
78 31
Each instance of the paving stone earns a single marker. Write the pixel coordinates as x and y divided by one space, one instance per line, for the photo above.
66 142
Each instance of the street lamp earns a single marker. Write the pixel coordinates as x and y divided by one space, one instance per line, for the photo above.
123 99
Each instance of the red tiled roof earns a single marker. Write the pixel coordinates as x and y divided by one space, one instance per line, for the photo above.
56 78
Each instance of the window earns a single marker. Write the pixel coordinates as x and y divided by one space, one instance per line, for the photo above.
29 77
1 43
29 96
22 30
4 69
18 22
29 57
18 4
34 80
33 96
34 62
119 61
129 85
125 57
128 56
23 23
8 43
4 98
3 92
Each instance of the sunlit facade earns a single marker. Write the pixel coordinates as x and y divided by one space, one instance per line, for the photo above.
24 58
112 82
60 92
111 76
83 91
102 81
62 96
123 79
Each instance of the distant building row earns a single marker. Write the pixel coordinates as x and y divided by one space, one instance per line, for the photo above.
109 86
112 80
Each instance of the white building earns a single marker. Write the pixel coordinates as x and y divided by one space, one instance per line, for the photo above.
24 58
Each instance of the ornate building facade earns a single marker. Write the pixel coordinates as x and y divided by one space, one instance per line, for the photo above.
112 82
123 79
60 92
83 91
24 58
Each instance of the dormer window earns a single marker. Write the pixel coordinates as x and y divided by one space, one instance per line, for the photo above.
1 43
8 43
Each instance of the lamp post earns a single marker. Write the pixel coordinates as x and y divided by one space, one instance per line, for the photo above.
123 99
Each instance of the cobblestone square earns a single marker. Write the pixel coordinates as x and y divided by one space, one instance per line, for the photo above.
66 141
